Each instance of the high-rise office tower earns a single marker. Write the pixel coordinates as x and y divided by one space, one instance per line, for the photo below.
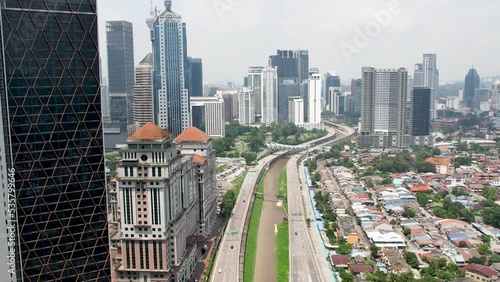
195 76
291 64
228 107
384 103
293 71
158 199
143 98
472 82
53 218
331 80
314 99
269 95
207 114
120 47
286 90
420 109
296 110
170 92
255 83
246 105
334 96
198 145
481 101
427 75
356 93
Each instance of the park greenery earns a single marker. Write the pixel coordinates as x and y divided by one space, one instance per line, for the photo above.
252 234
242 139
282 253
282 190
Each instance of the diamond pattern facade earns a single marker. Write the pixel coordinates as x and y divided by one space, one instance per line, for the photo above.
52 96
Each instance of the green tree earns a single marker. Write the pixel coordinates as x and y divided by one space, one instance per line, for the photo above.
344 249
409 213
484 249
486 239
374 251
462 244
459 161
228 202
249 157
490 193
411 259
255 143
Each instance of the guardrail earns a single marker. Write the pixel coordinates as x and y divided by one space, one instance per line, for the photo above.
322 141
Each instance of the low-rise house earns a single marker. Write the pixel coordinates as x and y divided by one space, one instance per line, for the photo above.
481 273
339 261
360 268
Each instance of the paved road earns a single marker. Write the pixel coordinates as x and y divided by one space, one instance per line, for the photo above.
227 266
307 256
304 264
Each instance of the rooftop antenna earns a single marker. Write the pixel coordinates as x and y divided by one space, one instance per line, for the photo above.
152 9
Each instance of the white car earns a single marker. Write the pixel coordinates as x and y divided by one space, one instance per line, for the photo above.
220 270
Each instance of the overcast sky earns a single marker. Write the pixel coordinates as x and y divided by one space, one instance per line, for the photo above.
242 33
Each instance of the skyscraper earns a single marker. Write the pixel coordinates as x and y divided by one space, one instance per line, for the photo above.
331 80
166 198
229 102
207 114
420 117
427 75
291 64
120 47
383 105
286 90
52 160
246 104
296 112
143 98
255 83
269 95
195 76
170 92
472 82
293 70
314 99
356 92
334 95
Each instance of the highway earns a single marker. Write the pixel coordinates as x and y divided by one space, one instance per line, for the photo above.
227 265
304 264
307 257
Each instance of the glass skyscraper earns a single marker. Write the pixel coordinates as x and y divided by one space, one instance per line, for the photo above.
472 82
421 104
120 47
170 72
53 220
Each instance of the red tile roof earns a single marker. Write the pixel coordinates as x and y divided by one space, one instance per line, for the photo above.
481 269
192 134
420 188
360 268
339 260
197 159
149 131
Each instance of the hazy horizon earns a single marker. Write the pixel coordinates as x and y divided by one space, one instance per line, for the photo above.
231 35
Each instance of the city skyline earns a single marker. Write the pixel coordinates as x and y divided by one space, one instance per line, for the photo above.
323 42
